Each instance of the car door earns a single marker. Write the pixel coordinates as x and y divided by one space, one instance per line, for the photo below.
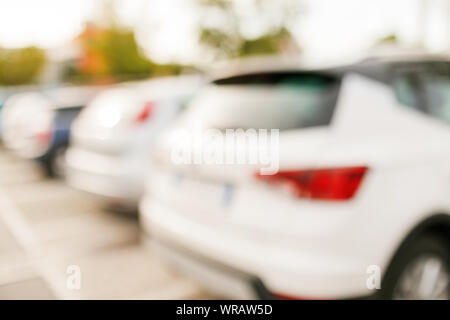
424 88
434 92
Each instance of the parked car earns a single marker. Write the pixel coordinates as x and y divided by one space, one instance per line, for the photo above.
362 191
36 124
6 92
109 155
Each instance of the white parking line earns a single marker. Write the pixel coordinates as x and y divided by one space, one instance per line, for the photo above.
23 233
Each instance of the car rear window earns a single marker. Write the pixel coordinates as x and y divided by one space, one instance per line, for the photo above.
284 101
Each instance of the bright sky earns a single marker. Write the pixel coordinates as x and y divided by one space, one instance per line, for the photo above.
44 23
166 28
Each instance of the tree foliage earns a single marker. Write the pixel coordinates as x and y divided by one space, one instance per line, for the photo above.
20 66
113 54
110 52
270 43
225 38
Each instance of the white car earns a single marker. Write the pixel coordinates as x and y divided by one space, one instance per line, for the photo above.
359 208
6 92
36 124
111 141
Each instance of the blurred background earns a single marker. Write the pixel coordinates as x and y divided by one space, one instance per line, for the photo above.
50 41
45 226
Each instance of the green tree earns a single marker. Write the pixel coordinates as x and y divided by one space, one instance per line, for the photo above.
20 66
225 36
113 54
270 43
122 54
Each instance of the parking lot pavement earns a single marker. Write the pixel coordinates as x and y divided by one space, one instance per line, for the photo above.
46 227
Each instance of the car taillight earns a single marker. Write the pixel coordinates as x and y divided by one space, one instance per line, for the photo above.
322 184
44 137
146 112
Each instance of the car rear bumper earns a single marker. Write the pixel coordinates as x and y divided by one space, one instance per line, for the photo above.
108 178
285 271
218 278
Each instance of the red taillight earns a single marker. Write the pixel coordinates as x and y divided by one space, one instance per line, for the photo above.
146 112
281 296
322 184
43 137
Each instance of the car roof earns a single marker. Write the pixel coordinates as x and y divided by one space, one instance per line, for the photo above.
160 87
375 65
71 96
258 64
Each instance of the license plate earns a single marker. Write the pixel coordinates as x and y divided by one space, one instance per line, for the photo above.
209 194
227 198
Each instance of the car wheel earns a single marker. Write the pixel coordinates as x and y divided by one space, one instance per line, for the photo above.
421 270
55 165
59 162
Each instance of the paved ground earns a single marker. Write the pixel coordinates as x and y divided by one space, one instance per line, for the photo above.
45 227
